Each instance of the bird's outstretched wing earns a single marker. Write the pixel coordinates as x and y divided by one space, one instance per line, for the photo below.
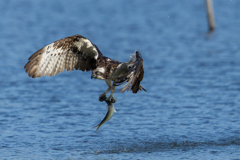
134 75
74 52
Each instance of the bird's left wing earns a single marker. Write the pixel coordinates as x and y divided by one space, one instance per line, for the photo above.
134 75
74 52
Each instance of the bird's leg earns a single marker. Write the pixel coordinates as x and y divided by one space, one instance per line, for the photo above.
110 98
103 96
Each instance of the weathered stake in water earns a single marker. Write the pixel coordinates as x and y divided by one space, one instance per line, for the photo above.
210 15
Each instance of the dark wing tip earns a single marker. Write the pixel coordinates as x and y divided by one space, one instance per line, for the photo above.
31 66
139 74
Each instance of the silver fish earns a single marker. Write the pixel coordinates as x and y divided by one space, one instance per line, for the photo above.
108 116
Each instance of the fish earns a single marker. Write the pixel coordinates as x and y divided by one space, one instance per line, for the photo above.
108 116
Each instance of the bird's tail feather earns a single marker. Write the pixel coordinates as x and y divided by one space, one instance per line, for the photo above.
141 88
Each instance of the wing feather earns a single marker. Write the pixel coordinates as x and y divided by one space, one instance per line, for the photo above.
74 52
57 66
67 62
61 64
134 75
32 71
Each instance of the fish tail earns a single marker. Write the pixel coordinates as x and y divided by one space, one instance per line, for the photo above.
98 126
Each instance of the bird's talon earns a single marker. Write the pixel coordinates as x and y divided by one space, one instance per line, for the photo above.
111 99
102 98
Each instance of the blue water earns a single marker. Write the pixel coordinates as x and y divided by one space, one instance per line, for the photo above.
191 109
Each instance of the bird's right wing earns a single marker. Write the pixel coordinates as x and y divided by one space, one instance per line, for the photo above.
74 52
134 75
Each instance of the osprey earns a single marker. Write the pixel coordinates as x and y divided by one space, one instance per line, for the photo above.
79 53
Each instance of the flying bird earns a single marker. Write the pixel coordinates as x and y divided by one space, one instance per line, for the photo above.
78 53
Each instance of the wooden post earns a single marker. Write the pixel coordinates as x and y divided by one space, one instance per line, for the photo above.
210 15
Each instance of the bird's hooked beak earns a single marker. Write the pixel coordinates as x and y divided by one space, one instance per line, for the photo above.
93 76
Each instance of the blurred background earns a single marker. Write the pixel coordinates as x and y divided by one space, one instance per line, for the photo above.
191 109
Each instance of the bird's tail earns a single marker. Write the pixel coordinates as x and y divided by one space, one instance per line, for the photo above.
141 88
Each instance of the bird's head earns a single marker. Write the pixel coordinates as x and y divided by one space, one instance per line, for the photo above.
98 73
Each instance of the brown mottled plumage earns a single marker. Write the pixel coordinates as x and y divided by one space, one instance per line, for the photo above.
79 53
